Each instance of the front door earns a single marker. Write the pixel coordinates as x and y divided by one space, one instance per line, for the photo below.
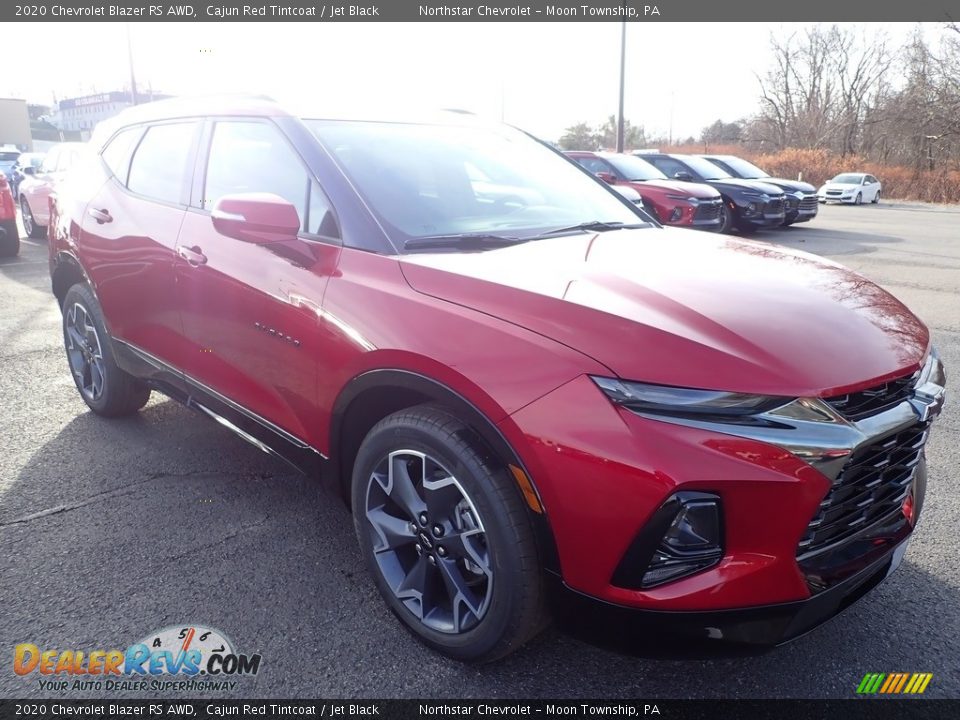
251 312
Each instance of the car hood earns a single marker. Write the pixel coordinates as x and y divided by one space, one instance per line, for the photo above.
839 186
689 309
789 185
737 184
697 190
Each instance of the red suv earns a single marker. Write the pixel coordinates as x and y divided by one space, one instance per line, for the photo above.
672 202
522 390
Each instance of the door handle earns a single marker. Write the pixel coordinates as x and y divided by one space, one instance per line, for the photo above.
101 216
193 255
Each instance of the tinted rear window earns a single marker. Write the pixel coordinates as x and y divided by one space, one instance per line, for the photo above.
160 161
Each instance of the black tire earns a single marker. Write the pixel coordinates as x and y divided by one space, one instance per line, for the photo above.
512 609
29 224
876 199
859 199
119 393
9 239
726 218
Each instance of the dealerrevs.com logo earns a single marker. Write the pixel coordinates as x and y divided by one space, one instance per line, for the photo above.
177 658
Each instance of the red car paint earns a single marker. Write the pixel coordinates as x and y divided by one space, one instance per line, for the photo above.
516 332
8 210
664 197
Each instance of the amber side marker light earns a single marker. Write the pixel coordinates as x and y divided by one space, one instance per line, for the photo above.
529 494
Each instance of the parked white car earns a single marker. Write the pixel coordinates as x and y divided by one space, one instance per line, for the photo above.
853 188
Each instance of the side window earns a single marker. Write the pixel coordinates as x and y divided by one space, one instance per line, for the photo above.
593 164
160 161
249 157
320 219
668 166
116 154
871 179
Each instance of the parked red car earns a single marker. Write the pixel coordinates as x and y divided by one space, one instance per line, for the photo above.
670 201
39 183
9 234
522 391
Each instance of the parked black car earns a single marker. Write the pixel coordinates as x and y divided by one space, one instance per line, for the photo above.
801 197
748 205
25 165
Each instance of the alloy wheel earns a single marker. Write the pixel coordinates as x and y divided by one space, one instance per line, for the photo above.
859 199
85 352
26 216
429 542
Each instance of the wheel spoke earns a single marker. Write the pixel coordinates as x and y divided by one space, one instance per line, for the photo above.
460 593
402 489
392 532
75 337
96 379
418 586
467 546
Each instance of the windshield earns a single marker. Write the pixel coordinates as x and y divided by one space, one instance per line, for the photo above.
634 168
848 179
743 168
438 180
704 168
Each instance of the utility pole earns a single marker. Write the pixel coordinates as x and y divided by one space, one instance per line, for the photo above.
133 79
623 68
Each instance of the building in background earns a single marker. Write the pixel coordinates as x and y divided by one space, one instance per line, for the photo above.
81 114
15 124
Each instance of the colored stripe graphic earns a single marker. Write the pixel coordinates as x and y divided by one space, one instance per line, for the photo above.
894 683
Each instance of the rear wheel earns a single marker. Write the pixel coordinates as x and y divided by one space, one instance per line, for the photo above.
104 387
444 533
9 238
29 224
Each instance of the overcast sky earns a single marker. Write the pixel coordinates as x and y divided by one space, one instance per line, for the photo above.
540 76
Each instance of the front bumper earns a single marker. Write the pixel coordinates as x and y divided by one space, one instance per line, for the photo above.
763 626
785 485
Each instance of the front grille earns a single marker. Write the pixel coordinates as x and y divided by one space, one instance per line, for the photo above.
809 203
834 192
709 210
858 405
792 203
775 207
871 487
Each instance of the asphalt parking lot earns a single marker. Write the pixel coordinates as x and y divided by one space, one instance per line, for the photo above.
112 529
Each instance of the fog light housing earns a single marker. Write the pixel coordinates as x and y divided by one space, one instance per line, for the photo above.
676 214
684 537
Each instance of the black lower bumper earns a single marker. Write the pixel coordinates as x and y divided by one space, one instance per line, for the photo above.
798 216
759 627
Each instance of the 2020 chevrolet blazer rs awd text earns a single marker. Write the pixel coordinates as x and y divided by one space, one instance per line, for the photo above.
522 386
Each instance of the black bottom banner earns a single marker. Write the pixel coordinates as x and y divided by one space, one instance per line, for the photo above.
858 709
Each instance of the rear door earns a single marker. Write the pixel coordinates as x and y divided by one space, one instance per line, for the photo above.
129 235
251 312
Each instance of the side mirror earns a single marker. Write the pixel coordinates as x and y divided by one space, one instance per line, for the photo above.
29 170
607 177
683 175
258 218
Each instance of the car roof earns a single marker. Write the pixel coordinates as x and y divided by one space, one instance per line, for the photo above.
263 106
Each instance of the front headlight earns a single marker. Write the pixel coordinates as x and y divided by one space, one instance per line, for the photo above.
685 198
687 402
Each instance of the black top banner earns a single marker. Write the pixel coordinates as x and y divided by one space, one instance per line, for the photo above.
490 11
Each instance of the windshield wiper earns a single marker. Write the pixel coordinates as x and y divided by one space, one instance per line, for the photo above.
594 226
462 240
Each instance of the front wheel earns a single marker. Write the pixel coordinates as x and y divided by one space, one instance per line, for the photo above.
876 198
104 387
444 533
29 224
726 218
859 199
